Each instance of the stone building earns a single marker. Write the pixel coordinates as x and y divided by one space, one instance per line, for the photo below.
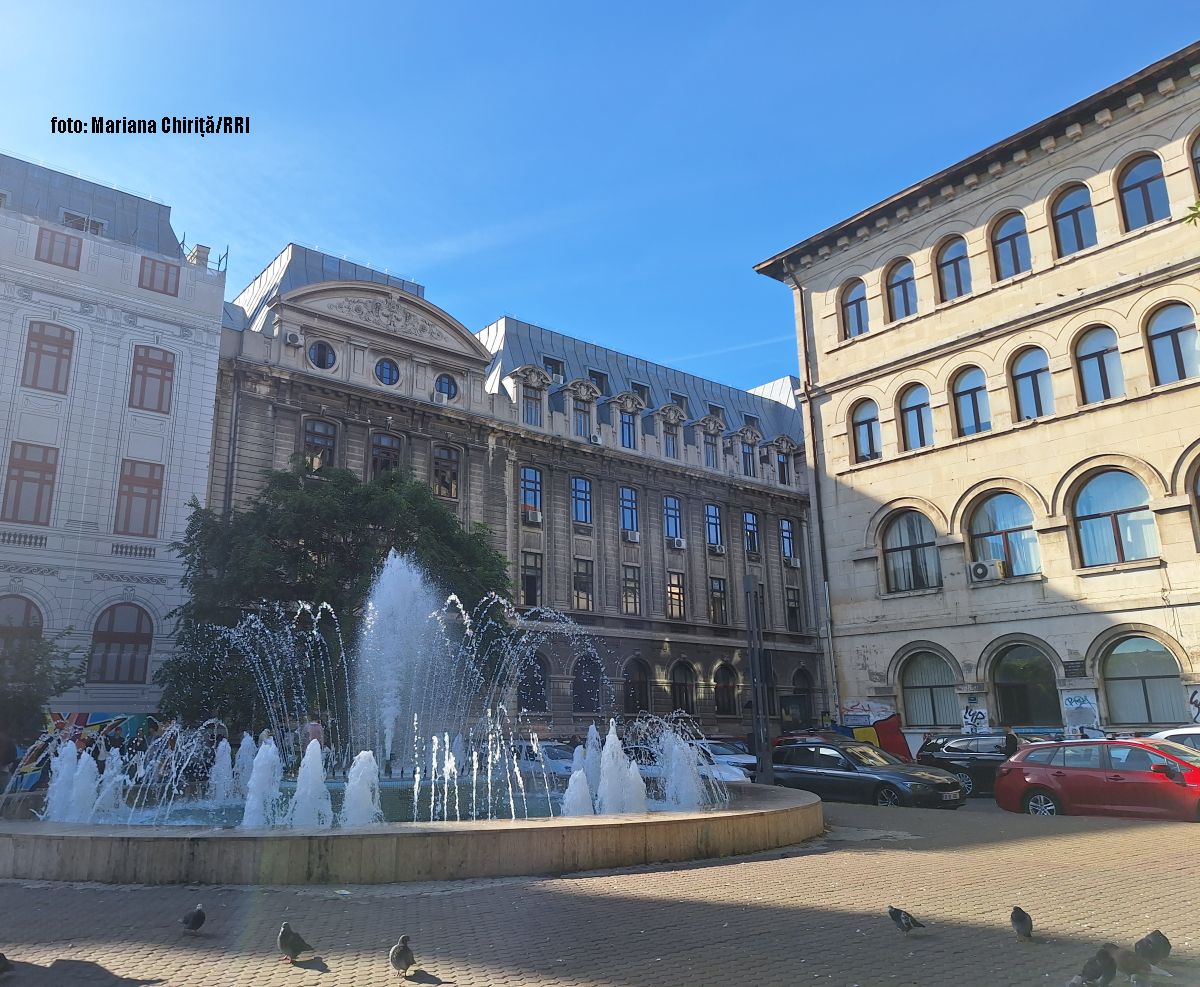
629 495
1001 395
108 374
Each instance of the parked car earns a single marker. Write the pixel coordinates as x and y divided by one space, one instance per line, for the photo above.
725 753
971 758
852 771
1150 778
647 762
556 758
1189 736
802 736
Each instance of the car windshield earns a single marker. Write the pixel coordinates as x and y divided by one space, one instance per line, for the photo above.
719 748
1177 751
556 753
869 757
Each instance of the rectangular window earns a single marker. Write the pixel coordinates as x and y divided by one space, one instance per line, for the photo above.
672 518
718 601
712 525
553 367
160 276
783 469
320 442
531 579
750 529
628 430
531 407
385 453
48 350
629 509
680 401
445 472
753 423
153 379
631 590
59 249
642 391
581 500
787 538
531 489
139 499
584 584
583 419
29 487
711 457
748 467
676 603
717 412
600 379
670 441
795 610
74 221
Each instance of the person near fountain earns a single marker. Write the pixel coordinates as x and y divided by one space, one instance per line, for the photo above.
313 730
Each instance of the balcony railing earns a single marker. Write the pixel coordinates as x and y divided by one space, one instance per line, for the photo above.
22 539
133 551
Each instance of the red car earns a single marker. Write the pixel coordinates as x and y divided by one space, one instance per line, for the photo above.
1149 778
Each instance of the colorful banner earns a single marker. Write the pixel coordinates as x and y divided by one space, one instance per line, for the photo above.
877 723
81 728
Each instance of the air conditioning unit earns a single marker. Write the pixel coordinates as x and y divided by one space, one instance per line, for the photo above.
533 517
717 549
295 340
557 379
679 543
440 398
594 440
633 537
794 563
986 570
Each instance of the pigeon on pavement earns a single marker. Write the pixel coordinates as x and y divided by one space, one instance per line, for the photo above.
193 919
904 922
1021 922
5 965
401 957
1098 971
1154 947
291 944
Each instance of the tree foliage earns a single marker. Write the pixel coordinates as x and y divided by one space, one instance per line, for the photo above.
307 538
32 670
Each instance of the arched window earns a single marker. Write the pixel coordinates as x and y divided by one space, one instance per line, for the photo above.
447 385
445 472
1026 693
953 269
1074 224
1010 246
587 685
855 318
1002 528
927 684
1099 363
1174 346
1141 683
683 687
1031 382
867 442
636 679
1143 192
797 709
910 555
971 408
20 621
725 683
1113 521
533 694
916 419
385 452
901 291
121 642
320 442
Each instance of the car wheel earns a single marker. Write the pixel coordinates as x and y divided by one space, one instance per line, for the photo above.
1042 804
967 782
887 795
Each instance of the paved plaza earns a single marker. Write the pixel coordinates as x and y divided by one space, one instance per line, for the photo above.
811 914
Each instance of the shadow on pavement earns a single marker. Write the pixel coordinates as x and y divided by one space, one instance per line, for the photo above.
76 973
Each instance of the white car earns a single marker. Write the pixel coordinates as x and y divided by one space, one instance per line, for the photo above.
723 753
556 759
1189 736
650 769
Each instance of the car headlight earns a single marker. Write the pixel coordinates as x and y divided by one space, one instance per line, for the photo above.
918 786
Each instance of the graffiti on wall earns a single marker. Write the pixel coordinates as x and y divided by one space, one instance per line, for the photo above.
1194 705
975 718
877 723
81 729
1081 712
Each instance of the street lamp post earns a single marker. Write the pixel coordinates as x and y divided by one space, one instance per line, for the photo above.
758 681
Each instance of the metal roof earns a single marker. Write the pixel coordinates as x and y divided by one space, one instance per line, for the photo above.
39 192
517 344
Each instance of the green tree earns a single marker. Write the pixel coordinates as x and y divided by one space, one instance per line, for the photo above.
32 670
306 537
1193 215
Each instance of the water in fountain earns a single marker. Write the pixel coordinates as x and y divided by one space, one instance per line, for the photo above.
682 786
110 802
244 765
84 787
591 758
221 786
635 789
617 791
262 800
578 798
311 806
360 804
62 778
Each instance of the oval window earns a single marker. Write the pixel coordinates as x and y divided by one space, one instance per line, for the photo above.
321 355
387 371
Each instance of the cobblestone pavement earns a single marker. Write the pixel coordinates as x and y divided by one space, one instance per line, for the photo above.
814 913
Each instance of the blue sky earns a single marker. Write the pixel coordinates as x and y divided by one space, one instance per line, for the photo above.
612 171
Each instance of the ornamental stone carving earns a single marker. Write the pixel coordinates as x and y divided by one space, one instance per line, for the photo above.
785 444
531 376
710 425
390 314
629 402
583 389
672 414
125 577
28 570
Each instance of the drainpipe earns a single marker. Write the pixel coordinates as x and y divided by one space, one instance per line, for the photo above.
807 388
231 454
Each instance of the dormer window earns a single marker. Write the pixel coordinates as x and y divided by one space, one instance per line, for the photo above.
600 379
680 401
554 368
717 412
642 391
752 422
85 224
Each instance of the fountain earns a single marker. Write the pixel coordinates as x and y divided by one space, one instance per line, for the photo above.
221 787
311 805
360 806
262 796
244 765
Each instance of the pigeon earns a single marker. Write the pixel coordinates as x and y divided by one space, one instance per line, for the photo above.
193 919
401 957
5 965
1022 924
1136 968
1098 971
291 944
904 922
1154 947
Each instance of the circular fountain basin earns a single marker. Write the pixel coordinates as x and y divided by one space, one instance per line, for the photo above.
756 818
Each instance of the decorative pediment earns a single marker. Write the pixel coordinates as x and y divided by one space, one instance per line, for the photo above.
671 414
747 433
583 389
710 425
629 402
531 376
786 444
388 313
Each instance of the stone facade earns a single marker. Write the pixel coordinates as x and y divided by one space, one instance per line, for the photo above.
1050 355
111 340
321 357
